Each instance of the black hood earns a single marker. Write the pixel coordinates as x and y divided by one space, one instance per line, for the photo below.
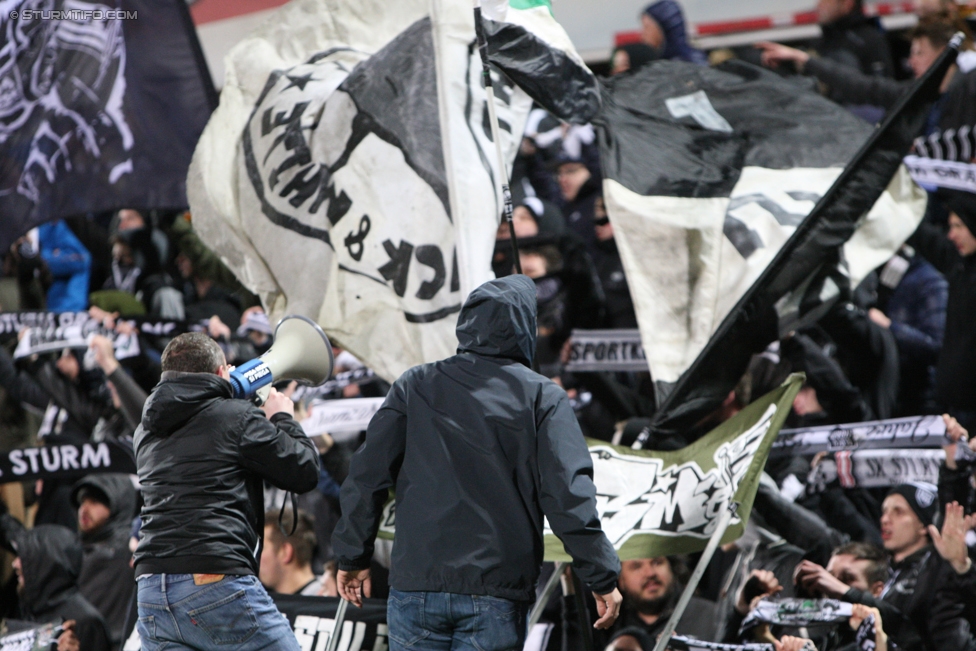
121 496
179 397
499 320
51 559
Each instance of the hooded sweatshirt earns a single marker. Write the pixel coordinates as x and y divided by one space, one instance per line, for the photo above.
107 580
51 558
479 449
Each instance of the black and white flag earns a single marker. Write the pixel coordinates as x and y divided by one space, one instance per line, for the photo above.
101 104
349 175
741 201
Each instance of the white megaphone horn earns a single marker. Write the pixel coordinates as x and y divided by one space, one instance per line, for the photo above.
301 351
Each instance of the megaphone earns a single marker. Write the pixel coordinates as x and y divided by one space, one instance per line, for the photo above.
301 351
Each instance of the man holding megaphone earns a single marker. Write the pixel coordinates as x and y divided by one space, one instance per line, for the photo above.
202 457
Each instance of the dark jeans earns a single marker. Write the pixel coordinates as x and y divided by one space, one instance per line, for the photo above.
234 613
443 621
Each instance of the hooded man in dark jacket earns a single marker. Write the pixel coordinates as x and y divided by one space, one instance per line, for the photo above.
202 458
479 449
48 564
106 504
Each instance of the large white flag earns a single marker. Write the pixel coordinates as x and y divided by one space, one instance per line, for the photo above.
349 175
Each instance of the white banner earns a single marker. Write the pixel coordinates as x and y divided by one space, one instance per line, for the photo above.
910 432
942 173
341 419
76 335
878 468
606 350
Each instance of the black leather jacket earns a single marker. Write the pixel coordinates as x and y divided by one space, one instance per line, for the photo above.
201 458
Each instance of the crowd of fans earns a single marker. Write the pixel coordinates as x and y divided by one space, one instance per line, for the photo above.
903 343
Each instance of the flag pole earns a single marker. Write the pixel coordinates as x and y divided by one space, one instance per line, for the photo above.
340 619
723 523
479 30
543 599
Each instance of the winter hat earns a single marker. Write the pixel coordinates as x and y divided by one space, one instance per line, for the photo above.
963 204
923 498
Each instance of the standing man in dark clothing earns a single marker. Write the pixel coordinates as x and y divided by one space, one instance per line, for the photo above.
202 458
480 450
106 504
955 256
47 566
920 577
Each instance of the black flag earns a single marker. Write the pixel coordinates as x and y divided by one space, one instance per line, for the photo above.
749 183
101 106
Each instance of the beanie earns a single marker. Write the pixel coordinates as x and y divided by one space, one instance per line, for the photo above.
921 497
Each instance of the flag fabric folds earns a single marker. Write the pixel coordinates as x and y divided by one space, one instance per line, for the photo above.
349 174
741 203
654 503
100 107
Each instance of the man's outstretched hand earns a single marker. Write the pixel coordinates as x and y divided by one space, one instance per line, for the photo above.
354 585
951 542
608 608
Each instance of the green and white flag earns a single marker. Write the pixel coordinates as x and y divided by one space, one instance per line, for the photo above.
660 503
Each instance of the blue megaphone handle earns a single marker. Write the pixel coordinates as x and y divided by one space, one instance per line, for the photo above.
247 378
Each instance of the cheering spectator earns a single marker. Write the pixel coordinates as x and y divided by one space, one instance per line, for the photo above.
106 504
932 618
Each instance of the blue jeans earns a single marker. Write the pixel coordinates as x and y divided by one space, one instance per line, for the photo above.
443 621
233 613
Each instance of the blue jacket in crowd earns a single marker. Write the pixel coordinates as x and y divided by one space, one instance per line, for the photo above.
70 265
